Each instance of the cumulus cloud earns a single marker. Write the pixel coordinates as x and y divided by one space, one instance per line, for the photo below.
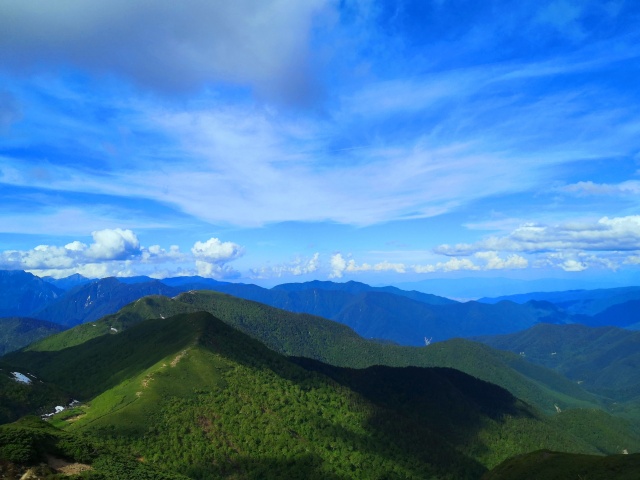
607 234
451 265
117 252
299 266
113 244
490 261
215 251
211 258
169 45
338 266
495 262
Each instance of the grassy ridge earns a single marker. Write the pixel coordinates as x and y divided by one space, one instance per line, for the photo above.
313 337
191 394
224 399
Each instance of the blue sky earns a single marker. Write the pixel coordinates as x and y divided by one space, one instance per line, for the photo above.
272 141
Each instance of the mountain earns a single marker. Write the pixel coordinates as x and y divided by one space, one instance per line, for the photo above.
304 335
34 449
69 282
357 287
190 394
388 313
22 294
409 322
94 300
16 332
625 315
385 313
603 360
25 393
468 288
577 302
562 466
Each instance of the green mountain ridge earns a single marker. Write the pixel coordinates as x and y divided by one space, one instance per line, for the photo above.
304 335
604 360
191 394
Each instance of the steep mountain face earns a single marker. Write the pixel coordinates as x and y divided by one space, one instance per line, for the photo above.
190 394
69 282
94 300
22 294
604 360
17 332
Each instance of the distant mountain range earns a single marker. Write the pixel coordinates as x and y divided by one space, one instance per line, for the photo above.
384 313
194 382
22 294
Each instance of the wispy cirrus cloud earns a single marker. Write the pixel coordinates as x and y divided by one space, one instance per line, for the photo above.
629 187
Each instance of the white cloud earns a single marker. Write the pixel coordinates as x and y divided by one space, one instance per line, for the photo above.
629 187
215 270
573 266
157 254
211 258
117 252
215 251
299 266
113 244
451 265
338 266
495 262
607 234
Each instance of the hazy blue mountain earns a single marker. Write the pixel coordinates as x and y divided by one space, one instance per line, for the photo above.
625 315
472 288
387 312
97 299
136 279
22 294
69 282
585 302
357 287
408 322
